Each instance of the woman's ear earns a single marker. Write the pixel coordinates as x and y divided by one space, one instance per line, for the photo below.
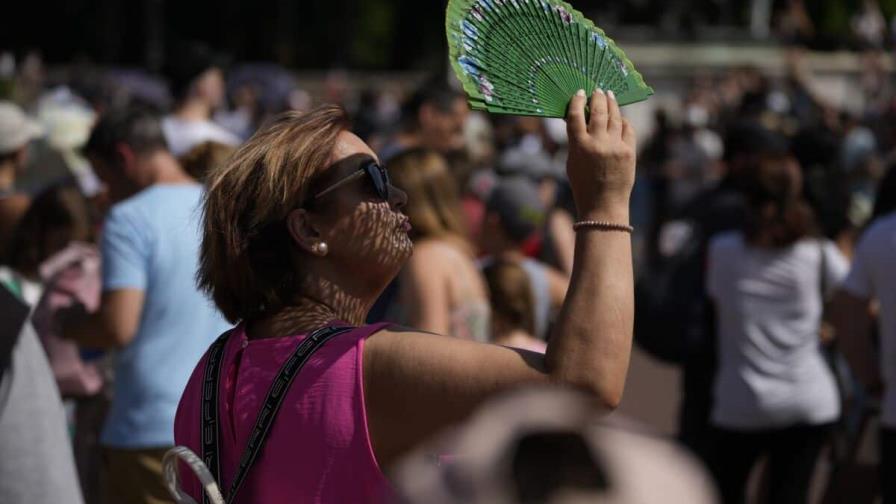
303 231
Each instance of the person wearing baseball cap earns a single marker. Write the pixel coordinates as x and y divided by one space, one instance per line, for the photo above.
16 132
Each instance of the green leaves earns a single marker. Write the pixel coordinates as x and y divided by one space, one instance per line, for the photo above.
528 57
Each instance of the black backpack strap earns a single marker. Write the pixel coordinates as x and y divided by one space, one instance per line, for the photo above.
269 409
209 413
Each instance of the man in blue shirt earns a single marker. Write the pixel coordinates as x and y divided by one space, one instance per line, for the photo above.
151 309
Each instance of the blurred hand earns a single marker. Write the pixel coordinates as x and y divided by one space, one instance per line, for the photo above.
601 164
74 273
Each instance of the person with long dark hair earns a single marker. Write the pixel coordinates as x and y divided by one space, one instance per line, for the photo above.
303 231
774 393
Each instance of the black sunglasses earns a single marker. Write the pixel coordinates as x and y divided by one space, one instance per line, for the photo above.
378 175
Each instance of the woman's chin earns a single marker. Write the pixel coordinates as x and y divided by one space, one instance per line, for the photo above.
405 247
397 257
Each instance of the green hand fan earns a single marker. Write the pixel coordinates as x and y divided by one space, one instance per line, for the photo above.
529 57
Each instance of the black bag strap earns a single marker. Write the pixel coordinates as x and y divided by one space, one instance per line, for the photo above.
209 411
269 409
823 272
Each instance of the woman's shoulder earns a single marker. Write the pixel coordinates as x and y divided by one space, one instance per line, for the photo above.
440 249
447 263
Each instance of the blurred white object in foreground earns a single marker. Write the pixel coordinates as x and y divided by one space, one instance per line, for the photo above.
549 445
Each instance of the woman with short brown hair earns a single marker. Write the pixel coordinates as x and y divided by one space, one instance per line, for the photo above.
303 231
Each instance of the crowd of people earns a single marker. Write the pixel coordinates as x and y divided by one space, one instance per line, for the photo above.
135 231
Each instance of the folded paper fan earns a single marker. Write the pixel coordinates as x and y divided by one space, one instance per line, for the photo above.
529 57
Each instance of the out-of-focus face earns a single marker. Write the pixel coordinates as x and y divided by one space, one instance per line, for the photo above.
210 87
117 186
444 131
366 236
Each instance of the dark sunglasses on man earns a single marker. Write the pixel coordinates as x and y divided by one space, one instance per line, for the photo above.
369 167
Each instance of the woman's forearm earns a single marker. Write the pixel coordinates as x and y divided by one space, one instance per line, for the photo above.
591 342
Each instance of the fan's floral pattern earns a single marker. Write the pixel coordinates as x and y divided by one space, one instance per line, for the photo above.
565 16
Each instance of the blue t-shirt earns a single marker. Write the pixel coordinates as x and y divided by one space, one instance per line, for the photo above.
151 242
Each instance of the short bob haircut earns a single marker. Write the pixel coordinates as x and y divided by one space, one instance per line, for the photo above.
246 258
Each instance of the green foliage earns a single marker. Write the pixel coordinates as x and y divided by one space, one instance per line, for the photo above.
889 8
371 43
835 16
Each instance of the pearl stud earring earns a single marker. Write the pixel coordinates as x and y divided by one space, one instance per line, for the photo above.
320 248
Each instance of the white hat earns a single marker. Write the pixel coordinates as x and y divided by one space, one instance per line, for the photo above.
65 118
16 129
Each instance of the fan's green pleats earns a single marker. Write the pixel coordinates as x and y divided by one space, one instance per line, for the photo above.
528 57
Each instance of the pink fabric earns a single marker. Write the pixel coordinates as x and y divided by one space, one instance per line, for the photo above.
73 278
318 450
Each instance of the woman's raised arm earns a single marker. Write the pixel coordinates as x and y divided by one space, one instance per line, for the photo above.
418 383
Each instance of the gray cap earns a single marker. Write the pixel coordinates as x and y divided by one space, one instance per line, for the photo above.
16 129
517 203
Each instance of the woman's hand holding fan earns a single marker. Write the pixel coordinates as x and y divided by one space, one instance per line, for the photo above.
601 164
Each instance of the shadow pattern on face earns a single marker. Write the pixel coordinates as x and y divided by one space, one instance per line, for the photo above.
366 235
368 244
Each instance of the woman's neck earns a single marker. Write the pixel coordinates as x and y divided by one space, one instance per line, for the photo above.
315 307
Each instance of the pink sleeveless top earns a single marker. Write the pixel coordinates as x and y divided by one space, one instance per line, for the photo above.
318 449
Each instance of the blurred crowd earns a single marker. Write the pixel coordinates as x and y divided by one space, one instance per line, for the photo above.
764 250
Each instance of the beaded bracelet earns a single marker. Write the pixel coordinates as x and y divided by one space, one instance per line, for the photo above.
603 226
